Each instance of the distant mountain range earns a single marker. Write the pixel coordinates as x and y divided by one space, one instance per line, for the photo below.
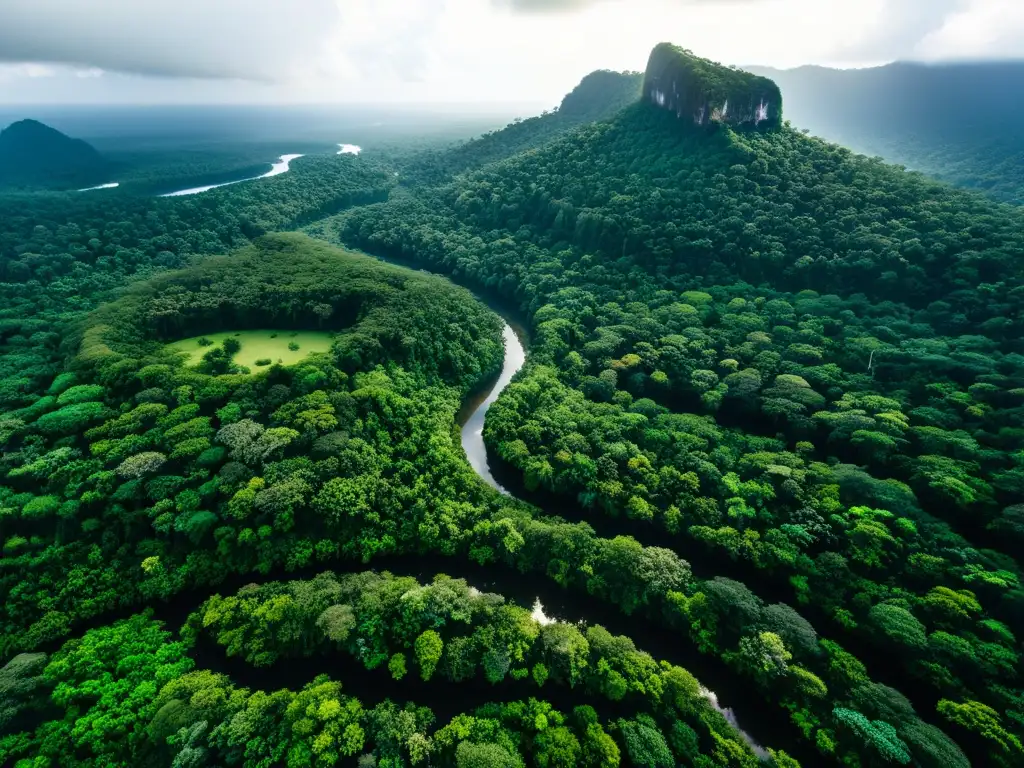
963 123
34 155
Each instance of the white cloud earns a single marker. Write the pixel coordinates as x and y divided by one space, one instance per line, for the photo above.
982 29
246 39
455 50
893 28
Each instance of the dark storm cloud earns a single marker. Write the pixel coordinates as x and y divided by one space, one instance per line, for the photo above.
249 39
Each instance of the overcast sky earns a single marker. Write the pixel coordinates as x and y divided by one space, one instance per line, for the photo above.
454 51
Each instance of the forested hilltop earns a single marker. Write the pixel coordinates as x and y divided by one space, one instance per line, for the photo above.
598 96
34 155
801 365
768 440
63 253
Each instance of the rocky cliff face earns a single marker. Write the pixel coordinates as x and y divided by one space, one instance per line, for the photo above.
706 92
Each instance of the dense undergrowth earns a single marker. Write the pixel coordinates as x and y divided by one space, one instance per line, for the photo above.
136 478
802 359
63 253
796 367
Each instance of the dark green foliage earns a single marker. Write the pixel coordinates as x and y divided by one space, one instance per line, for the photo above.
812 311
36 155
60 252
901 111
600 95
645 744
798 367
22 691
292 281
597 97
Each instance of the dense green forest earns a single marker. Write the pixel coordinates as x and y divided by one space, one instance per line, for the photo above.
904 112
768 440
62 253
598 96
33 155
781 354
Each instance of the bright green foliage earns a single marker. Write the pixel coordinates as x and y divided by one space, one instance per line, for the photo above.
130 660
797 367
984 722
257 346
470 755
397 666
456 634
428 652
82 393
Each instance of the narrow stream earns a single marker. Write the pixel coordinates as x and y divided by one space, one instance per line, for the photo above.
108 185
472 415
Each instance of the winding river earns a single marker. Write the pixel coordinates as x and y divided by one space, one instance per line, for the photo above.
471 420
550 603
281 166
108 185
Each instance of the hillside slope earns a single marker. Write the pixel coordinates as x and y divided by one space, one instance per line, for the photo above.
35 155
962 123
597 97
803 363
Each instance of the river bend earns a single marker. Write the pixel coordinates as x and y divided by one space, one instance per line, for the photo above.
471 421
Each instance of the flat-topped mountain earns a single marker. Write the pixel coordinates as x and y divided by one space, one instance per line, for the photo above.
706 92
35 155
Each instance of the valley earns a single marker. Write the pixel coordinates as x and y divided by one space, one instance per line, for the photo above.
647 431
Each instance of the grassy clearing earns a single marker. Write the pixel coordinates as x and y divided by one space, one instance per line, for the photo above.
258 345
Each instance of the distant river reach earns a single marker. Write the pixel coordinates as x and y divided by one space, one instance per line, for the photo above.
281 166
111 185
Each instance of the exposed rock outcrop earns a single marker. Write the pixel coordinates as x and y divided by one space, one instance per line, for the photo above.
707 92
